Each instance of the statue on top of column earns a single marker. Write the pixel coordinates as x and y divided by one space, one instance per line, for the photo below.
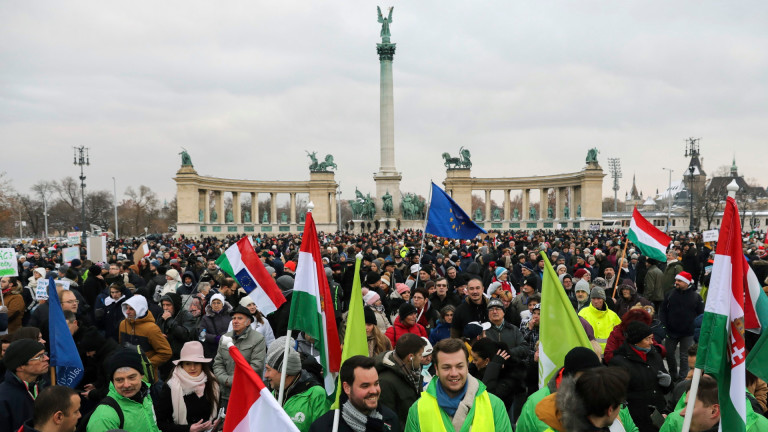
185 159
324 166
385 22
592 155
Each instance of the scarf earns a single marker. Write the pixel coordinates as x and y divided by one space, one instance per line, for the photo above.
182 384
355 419
413 376
109 300
447 403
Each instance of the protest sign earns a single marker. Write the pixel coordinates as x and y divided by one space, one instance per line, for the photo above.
70 253
41 289
73 237
710 235
97 249
8 264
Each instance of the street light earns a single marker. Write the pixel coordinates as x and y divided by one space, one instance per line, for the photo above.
669 198
82 159
691 169
114 186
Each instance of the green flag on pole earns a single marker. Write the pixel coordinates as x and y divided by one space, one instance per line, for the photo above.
355 337
559 329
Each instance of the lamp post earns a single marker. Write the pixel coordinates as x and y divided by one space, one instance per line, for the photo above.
338 212
669 198
690 196
82 159
114 186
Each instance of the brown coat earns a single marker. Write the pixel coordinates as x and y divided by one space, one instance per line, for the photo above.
16 306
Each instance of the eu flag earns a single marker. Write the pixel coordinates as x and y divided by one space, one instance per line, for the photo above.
64 356
447 219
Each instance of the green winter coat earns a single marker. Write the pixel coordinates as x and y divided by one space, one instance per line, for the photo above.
668 281
306 401
529 422
654 280
139 417
500 416
755 422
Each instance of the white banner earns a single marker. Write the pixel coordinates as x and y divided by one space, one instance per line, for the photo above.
70 253
97 249
73 238
710 236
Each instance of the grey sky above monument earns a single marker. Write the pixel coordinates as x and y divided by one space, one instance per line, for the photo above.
247 88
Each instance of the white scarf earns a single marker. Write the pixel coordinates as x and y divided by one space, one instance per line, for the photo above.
182 384
109 300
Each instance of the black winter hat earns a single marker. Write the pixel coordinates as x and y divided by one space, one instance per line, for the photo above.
124 357
405 310
370 316
637 331
579 359
19 352
243 311
372 277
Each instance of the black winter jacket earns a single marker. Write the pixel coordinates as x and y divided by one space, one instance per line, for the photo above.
388 423
678 311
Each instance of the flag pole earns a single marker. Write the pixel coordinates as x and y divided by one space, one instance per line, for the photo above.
691 400
424 233
336 419
618 271
281 393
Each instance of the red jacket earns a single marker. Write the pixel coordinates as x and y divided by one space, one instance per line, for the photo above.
398 329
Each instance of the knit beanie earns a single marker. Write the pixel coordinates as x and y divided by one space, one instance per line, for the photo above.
597 293
370 316
371 297
637 331
579 359
600 282
405 310
245 301
124 357
582 285
372 277
401 288
275 357
20 352
500 271
580 273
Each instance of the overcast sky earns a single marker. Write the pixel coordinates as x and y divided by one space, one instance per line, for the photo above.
246 87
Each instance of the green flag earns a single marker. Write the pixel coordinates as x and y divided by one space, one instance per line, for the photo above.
559 329
355 338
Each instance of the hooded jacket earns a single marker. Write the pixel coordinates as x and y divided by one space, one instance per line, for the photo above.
144 332
398 329
305 401
109 312
179 328
215 324
185 289
623 305
644 389
397 392
602 322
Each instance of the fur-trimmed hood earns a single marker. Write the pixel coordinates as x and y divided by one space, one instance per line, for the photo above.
573 415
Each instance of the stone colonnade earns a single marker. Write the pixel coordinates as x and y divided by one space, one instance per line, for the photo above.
578 198
195 217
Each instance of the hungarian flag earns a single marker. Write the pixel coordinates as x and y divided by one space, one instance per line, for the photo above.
312 307
722 353
241 262
651 241
355 337
560 329
756 320
251 406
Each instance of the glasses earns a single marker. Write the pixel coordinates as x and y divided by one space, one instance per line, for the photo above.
41 357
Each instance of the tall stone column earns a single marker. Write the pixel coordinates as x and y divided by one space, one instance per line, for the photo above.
219 207
526 204
204 206
506 204
273 210
570 204
293 208
255 216
236 210
387 178
558 203
487 204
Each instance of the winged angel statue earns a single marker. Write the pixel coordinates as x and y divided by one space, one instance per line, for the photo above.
385 24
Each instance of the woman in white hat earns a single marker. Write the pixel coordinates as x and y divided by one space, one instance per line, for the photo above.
189 401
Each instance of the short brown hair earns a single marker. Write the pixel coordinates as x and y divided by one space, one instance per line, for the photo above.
707 392
449 346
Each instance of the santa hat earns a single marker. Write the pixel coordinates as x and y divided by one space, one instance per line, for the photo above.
685 277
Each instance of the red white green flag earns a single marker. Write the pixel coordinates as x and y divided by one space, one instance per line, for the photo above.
651 241
312 307
722 352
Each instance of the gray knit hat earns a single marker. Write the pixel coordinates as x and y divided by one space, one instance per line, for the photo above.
582 285
275 356
597 293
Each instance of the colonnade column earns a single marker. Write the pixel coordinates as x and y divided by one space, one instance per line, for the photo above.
506 204
293 208
203 205
526 204
333 208
558 204
255 208
273 209
236 210
219 205
487 205
576 201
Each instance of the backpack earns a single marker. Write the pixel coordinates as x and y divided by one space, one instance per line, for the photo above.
109 401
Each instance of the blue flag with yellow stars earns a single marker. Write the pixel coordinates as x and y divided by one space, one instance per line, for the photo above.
447 219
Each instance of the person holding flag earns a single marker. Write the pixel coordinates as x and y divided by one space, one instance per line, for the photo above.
250 344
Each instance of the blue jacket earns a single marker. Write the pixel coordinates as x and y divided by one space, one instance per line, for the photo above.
441 331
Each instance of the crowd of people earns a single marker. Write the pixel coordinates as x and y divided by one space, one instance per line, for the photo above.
452 329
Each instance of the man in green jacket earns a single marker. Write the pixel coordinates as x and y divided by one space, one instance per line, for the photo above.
456 399
674 266
131 394
576 362
305 399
